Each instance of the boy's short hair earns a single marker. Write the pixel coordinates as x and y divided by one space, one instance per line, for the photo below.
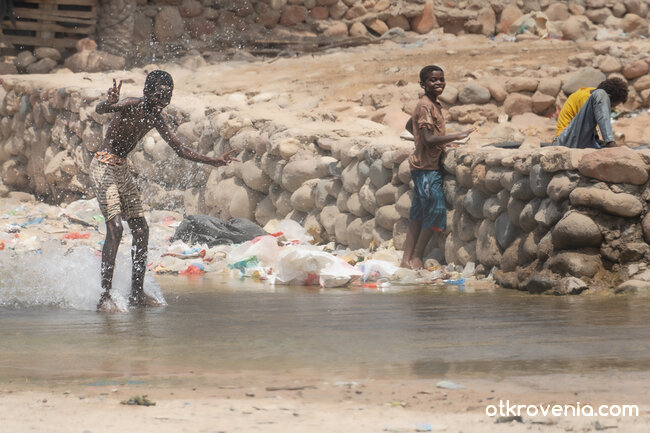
616 88
156 78
427 70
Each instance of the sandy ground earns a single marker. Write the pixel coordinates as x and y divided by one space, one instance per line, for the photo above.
314 402
329 87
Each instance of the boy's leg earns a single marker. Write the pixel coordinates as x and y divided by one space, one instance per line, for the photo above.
418 252
109 252
412 235
415 218
140 231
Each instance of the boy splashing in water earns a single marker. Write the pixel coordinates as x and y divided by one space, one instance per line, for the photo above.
428 212
113 183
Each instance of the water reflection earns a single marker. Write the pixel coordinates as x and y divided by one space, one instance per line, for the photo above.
212 325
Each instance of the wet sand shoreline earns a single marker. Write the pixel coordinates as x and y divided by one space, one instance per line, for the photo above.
315 402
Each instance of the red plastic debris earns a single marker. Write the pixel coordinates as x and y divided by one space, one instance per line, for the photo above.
192 270
76 235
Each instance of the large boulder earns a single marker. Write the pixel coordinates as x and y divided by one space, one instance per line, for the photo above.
549 212
368 198
557 11
505 231
635 69
539 180
542 102
488 252
328 219
43 66
254 177
587 77
561 185
527 216
621 204
426 21
302 199
576 231
386 194
353 178
169 24
473 203
509 15
634 25
521 190
521 84
517 103
473 93
354 205
578 28
387 216
615 165
295 173
578 264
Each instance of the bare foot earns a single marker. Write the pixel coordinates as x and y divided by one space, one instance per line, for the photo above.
107 304
143 300
416 263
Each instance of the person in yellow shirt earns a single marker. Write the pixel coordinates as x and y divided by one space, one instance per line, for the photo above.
587 108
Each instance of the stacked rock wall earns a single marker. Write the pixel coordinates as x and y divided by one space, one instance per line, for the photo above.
164 26
544 217
140 31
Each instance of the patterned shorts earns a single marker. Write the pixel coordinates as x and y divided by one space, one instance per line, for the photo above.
428 203
114 187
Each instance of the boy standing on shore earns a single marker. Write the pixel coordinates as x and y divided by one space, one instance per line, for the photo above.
113 183
428 212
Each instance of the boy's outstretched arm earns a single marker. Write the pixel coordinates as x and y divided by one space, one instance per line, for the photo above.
433 140
187 153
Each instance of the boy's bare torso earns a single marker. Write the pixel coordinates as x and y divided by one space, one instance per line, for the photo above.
128 126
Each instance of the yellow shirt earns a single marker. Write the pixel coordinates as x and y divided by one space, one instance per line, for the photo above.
571 107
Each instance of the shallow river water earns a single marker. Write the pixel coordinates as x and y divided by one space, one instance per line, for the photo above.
213 324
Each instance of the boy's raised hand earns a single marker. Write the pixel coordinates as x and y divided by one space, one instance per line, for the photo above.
114 93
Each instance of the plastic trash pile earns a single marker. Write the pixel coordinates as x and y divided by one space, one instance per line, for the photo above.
287 258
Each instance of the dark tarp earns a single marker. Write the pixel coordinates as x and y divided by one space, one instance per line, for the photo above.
204 229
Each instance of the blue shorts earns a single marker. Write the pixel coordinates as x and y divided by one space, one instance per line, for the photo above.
428 204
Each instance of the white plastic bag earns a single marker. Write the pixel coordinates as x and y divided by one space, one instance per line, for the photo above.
304 265
265 248
294 232
372 270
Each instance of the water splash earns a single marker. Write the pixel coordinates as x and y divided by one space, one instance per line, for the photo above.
54 276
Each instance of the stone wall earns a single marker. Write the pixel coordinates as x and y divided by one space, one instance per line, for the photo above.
545 217
163 27
137 32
